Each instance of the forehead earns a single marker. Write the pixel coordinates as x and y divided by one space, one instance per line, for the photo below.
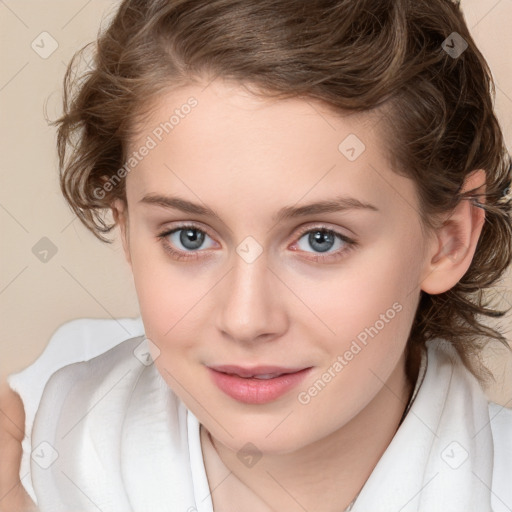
223 143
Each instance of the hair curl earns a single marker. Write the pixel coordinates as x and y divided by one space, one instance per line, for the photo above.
380 55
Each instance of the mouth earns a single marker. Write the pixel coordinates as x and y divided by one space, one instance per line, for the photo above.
256 385
258 372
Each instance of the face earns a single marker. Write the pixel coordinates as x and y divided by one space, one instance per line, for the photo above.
326 296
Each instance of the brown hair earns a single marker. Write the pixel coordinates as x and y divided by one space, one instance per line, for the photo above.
354 56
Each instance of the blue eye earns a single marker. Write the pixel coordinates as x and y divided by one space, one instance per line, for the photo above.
320 239
189 237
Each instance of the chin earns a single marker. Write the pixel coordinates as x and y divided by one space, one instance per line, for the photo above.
267 435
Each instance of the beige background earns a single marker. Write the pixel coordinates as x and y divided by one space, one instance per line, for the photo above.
86 278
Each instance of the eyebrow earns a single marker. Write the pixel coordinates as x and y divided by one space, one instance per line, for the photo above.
337 204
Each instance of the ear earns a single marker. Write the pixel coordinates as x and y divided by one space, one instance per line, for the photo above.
452 249
120 214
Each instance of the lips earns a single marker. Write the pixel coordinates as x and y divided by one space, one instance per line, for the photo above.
256 385
259 372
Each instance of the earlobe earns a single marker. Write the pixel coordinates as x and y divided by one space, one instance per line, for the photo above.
452 250
120 214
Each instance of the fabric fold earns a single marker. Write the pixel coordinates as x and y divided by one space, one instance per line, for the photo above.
124 442
441 458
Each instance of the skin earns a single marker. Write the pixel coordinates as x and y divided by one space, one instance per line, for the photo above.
13 497
246 157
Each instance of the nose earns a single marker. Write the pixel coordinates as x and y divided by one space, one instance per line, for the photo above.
251 305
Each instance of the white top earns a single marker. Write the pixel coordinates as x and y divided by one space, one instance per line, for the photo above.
110 434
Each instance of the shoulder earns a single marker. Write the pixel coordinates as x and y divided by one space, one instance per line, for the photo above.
77 340
501 425
116 370
501 419
98 415
442 355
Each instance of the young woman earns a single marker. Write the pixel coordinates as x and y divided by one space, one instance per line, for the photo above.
313 198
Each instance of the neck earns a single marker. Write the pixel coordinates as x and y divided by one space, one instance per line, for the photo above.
334 468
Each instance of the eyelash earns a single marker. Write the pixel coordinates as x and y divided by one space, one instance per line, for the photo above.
192 255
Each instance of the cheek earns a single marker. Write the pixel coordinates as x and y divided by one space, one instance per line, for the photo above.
371 317
162 292
167 306
378 289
